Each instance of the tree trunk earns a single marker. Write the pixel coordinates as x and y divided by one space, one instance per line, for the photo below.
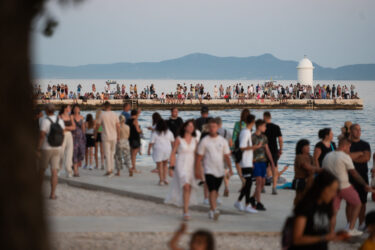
22 219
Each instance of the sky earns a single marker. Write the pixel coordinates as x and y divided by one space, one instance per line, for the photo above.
331 33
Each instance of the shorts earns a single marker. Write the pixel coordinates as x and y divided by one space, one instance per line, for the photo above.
275 158
349 194
99 137
247 172
260 169
213 183
90 141
50 157
134 144
359 188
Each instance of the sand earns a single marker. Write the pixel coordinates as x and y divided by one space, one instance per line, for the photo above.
79 202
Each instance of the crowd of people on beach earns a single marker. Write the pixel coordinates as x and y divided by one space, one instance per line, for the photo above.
185 92
197 154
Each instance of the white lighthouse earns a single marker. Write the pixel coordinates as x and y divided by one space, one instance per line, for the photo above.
305 73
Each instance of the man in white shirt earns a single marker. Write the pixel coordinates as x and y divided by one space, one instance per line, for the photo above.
49 155
213 150
341 165
110 135
245 168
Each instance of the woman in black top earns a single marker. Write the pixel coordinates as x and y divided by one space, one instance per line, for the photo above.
313 215
323 147
134 137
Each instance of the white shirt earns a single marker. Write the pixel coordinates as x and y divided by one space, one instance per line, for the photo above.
162 140
108 120
339 163
247 155
45 126
213 150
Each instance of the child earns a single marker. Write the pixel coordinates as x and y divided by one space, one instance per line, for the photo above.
90 141
245 168
200 239
212 150
369 244
261 157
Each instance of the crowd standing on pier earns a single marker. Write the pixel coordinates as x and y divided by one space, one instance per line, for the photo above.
197 153
187 92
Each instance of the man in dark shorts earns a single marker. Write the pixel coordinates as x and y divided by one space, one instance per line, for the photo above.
360 152
273 134
175 122
203 119
213 150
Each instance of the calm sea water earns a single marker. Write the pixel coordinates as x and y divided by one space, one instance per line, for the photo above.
295 124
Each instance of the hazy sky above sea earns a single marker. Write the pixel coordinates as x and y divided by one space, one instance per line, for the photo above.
332 33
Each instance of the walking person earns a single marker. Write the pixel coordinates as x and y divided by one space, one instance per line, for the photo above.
213 150
99 143
79 139
183 188
122 154
49 146
275 144
174 122
134 137
227 135
360 152
238 126
246 169
323 147
66 159
261 157
203 119
161 145
304 169
313 215
341 165
90 141
110 123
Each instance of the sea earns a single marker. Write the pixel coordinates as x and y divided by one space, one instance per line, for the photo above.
294 124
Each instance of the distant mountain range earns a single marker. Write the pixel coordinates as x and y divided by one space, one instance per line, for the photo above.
204 66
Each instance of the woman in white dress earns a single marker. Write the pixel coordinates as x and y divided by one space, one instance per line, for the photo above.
182 191
161 145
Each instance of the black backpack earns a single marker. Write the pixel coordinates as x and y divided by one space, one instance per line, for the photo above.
56 133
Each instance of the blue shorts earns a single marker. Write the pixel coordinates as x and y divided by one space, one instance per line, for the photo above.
260 169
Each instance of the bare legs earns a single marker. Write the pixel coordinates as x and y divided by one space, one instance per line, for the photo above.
134 152
186 197
163 170
98 146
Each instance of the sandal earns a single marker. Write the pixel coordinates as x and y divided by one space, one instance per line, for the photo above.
53 197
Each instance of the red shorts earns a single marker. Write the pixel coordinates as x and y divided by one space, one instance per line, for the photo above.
349 195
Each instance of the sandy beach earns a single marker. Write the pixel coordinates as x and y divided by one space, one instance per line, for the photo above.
84 203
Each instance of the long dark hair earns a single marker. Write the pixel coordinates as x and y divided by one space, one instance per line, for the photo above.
90 120
210 241
73 107
300 144
62 109
156 117
182 129
161 126
323 133
244 114
323 180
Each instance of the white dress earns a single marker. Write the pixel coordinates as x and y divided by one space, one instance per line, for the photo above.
183 173
162 148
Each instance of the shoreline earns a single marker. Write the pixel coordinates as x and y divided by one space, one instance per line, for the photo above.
217 104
